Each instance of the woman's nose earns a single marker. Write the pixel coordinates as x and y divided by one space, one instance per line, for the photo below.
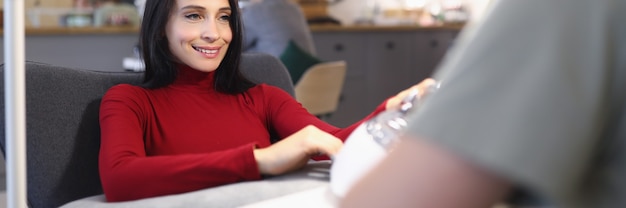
210 31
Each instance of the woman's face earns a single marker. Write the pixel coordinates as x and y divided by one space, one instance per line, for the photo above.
198 32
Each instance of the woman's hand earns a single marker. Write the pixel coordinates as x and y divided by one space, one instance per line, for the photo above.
295 151
395 101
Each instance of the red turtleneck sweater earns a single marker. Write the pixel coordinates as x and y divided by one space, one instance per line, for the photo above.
187 136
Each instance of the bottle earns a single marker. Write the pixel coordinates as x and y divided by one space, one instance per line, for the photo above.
388 125
371 141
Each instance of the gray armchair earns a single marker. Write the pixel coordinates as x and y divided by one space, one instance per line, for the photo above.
63 133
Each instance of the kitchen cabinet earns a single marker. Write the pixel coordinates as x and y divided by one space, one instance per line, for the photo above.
99 49
381 63
346 46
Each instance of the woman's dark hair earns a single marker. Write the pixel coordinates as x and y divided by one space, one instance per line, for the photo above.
160 62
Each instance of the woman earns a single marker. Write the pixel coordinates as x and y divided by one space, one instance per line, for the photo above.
196 122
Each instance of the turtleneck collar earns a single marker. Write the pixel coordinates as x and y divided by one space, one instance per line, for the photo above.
190 79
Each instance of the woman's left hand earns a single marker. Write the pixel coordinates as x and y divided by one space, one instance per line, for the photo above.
395 101
294 151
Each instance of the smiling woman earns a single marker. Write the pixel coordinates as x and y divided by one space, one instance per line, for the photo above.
199 36
196 122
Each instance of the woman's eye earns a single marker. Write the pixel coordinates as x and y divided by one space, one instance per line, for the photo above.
225 18
193 16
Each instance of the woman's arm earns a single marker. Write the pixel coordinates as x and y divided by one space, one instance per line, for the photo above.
296 150
128 172
312 137
288 116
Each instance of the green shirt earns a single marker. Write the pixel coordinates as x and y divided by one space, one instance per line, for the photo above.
536 94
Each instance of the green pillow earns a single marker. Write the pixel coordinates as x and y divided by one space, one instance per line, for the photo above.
297 61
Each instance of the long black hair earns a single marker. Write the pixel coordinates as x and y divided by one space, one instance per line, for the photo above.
160 62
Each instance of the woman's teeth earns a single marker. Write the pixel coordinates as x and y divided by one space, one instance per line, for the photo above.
205 50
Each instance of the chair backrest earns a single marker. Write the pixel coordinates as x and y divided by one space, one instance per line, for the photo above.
320 87
265 68
63 131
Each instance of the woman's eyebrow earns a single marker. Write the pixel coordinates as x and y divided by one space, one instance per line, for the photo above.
196 7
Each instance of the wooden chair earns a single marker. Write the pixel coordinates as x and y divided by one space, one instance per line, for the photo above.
319 89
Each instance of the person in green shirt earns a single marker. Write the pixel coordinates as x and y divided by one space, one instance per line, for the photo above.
533 101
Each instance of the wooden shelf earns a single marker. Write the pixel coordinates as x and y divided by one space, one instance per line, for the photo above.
80 30
390 28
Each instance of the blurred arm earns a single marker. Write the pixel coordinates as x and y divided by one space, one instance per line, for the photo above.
418 174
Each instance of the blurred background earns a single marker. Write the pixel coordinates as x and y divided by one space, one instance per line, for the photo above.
79 13
84 13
